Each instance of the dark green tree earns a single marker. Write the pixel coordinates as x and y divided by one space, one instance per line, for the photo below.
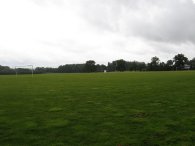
192 63
90 66
71 68
135 66
162 66
6 70
111 66
100 68
155 61
179 61
169 65
120 65
154 64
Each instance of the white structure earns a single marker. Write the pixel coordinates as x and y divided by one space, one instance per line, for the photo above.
187 67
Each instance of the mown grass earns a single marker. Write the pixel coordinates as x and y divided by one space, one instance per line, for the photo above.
136 108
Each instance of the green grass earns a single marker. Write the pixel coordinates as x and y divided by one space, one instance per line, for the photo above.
137 108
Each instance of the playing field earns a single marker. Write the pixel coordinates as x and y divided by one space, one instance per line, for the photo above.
136 108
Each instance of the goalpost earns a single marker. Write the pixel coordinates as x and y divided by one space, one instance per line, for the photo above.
30 67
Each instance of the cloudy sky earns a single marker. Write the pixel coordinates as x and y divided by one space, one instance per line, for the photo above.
55 32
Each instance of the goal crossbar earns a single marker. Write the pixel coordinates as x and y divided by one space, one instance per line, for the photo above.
24 66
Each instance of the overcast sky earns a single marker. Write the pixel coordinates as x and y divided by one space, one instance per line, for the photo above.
55 32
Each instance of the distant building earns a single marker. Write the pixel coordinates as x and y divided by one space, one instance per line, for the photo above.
186 67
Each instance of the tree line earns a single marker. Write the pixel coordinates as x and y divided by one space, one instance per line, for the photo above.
179 62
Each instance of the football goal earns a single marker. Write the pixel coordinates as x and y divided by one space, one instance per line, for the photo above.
26 69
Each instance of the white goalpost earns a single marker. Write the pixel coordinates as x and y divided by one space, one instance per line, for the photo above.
29 67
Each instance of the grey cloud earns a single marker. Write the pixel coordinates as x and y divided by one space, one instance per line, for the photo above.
170 21
71 46
73 31
47 2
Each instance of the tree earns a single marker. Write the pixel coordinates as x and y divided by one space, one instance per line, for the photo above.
40 70
100 68
155 61
111 66
169 65
179 61
121 65
135 66
71 68
6 70
90 66
192 63
154 64
162 66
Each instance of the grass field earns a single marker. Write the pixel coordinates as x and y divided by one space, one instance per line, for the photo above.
136 108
